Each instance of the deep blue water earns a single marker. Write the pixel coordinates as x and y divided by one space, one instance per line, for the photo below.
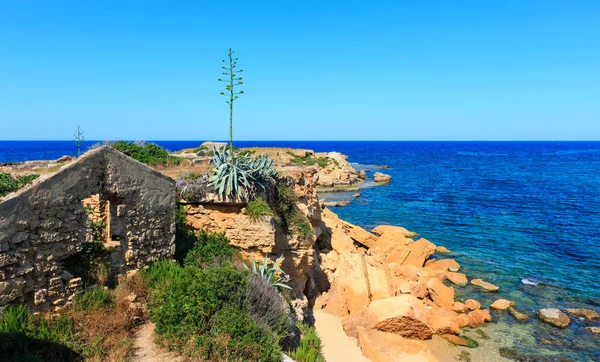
509 210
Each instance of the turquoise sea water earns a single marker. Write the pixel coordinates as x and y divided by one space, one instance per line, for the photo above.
522 215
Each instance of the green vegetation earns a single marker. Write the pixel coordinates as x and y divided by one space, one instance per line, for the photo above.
202 148
257 209
232 80
283 204
146 152
308 160
240 176
206 310
78 140
94 298
91 264
273 275
310 347
9 184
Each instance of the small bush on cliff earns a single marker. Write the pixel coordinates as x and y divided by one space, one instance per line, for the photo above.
310 348
308 160
9 184
146 152
257 209
209 248
284 207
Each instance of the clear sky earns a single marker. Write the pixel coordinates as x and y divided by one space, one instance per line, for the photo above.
314 70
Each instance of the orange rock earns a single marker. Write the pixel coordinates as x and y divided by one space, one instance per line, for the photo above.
415 288
443 264
418 252
485 285
336 303
459 307
479 317
457 278
380 284
502 304
363 318
443 321
440 294
454 339
354 281
405 272
462 320
472 304
359 234
442 250
404 315
380 346
396 230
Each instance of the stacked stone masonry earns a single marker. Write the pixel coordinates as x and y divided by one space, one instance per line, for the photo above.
42 225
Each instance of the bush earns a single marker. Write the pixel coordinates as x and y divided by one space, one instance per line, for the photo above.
9 184
308 160
284 207
209 248
146 152
184 236
91 264
310 347
257 209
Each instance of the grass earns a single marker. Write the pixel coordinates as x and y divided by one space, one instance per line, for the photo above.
286 212
257 209
310 348
9 184
308 160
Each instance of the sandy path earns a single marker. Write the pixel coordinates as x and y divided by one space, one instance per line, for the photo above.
337 346
147 351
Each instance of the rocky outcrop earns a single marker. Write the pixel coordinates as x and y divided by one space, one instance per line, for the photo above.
502 304
554 317
381 177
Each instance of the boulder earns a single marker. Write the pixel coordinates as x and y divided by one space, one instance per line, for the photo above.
443 264
380 346
380 285
502 304
443 321
479 317
362 174
381 177
459 307
595 330
457 278
585 313
418 252
404 315
359 234
462 320
325 180
440 294
397 230
472 304
554 317
519 316
485 285
355 282
442 250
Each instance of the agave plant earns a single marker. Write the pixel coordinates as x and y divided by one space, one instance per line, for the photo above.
235 176
272 275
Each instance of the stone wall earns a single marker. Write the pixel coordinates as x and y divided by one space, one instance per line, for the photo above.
42 225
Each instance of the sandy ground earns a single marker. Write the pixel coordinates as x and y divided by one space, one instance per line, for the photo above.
337 346
147 351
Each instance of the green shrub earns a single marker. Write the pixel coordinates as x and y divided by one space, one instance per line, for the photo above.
91 264
184 236
146 152
308 160
28 337
283 204
9 184
93 298
257 209
159 277
209 248
310 347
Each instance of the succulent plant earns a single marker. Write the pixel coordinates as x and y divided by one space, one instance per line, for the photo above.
271 274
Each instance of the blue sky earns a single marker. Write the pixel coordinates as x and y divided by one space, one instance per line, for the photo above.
314 70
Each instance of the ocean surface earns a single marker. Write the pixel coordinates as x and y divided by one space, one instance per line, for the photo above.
522 215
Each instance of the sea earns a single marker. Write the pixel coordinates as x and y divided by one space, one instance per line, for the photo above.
522 215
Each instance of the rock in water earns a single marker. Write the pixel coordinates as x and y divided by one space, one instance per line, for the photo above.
502 304
554 317
381 177
595 330
457 278
472 304
521 317
442 250
588 314
485 285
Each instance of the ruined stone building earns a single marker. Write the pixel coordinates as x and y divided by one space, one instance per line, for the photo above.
104 196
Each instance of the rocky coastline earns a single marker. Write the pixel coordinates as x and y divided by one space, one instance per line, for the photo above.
396 294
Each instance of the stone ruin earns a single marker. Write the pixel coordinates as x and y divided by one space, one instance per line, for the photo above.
42 225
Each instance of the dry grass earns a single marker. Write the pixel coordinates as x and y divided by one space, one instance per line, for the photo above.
185 166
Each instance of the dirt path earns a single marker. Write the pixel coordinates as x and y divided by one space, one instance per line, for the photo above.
337 346
147 351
